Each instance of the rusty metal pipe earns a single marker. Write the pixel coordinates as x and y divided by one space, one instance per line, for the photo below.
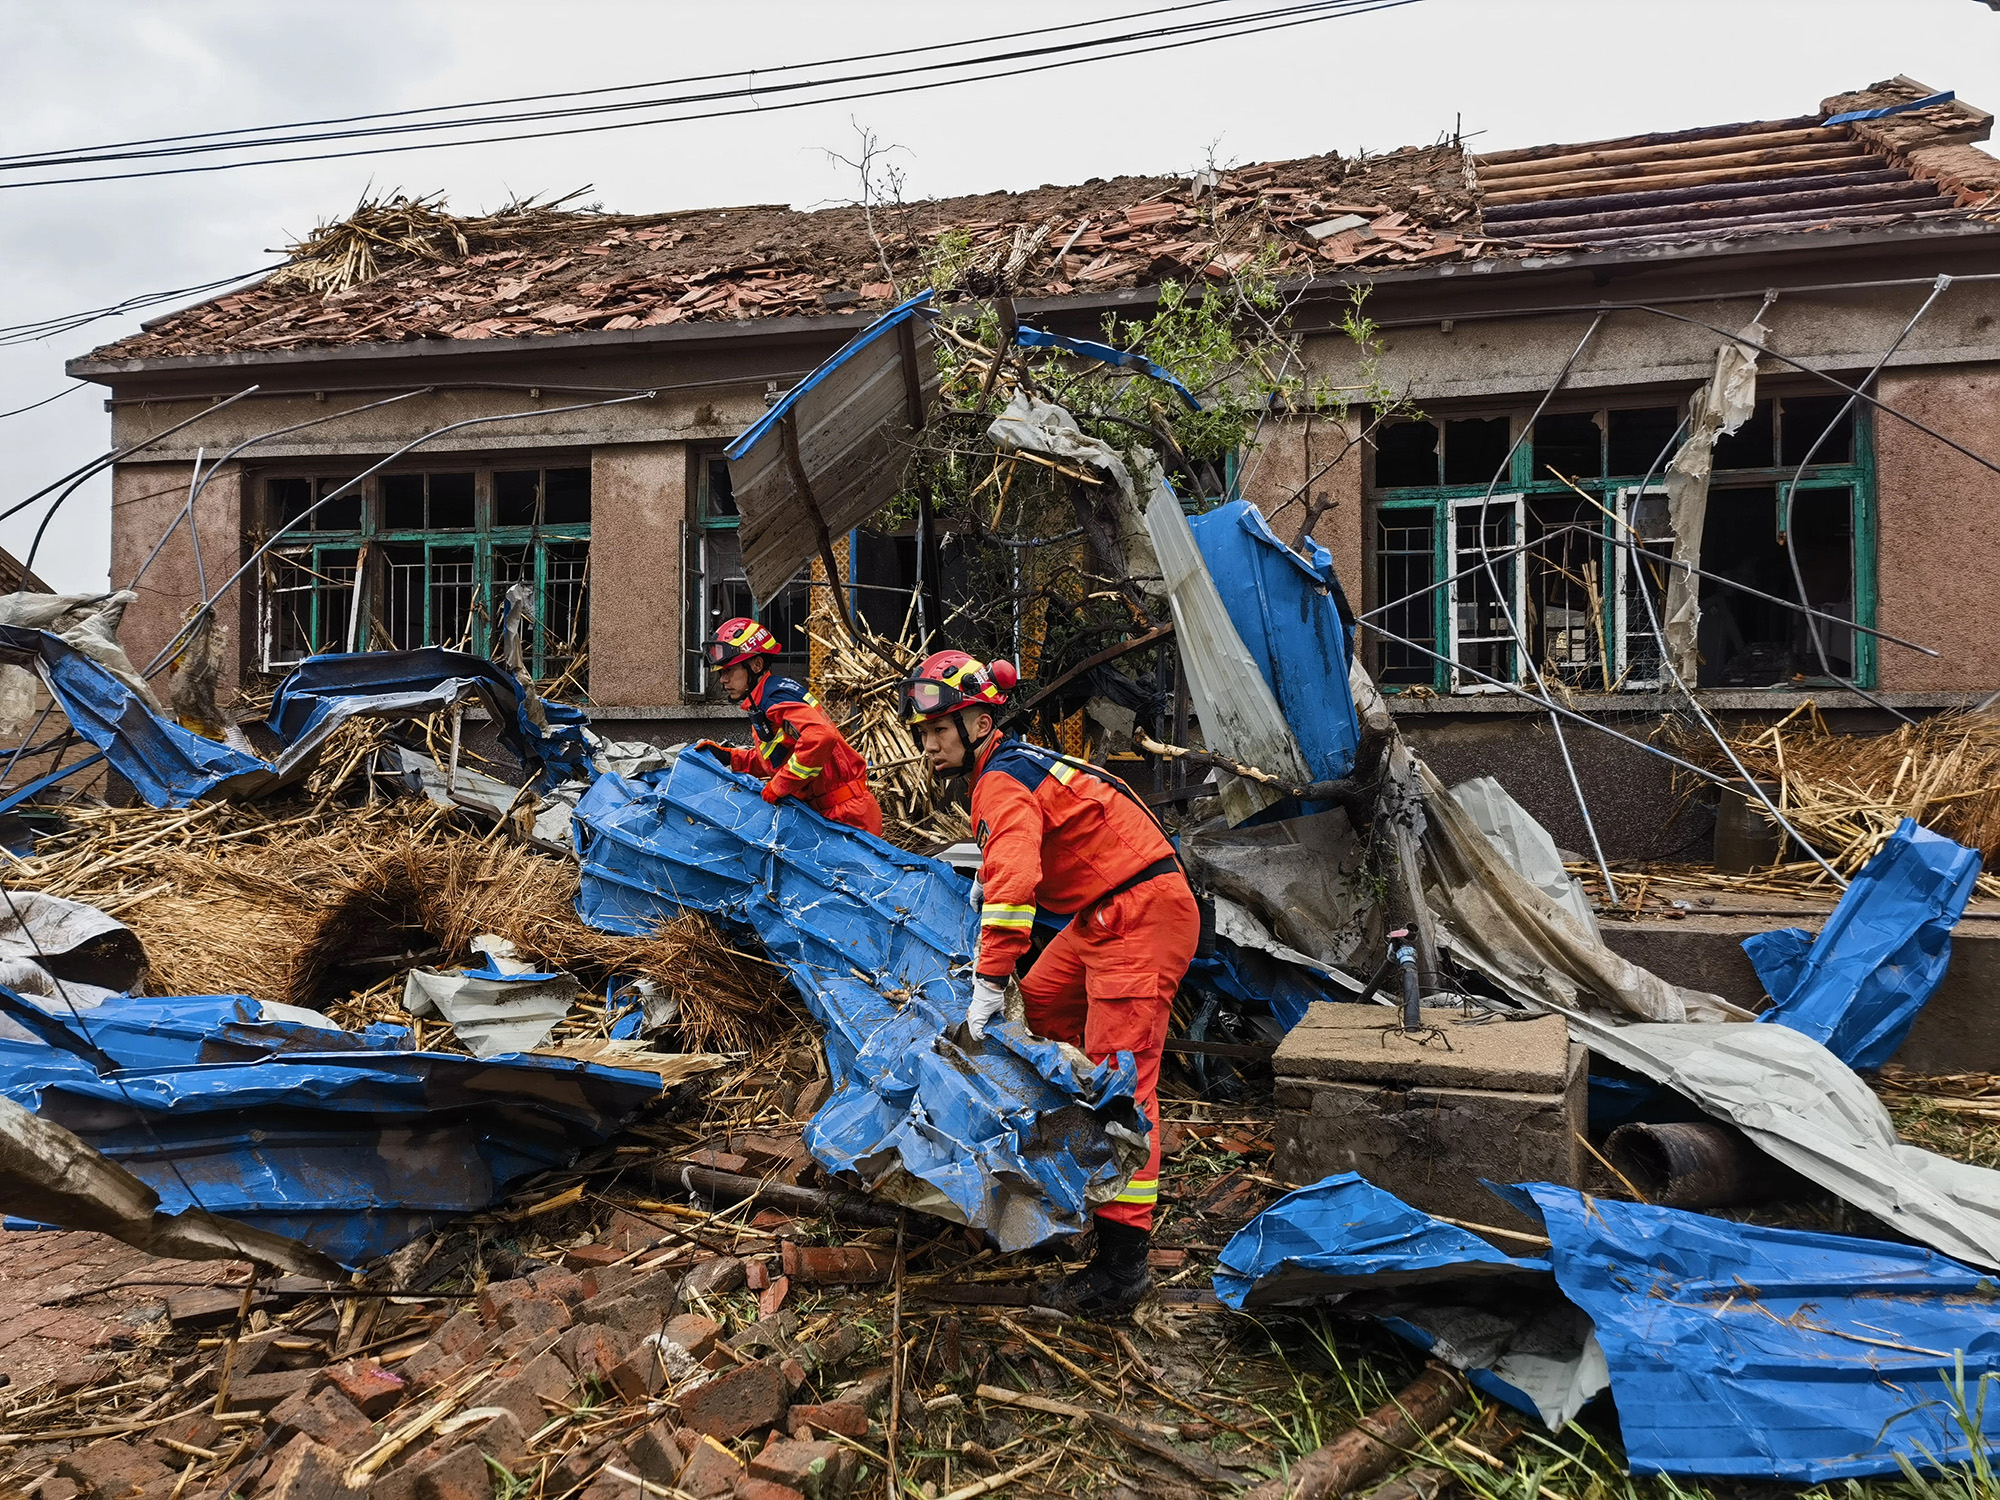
1695 1164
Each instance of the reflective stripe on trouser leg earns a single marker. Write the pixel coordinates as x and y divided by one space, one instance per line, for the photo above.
1106 983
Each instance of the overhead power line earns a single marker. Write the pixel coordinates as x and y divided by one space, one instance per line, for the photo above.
1058 55
43 328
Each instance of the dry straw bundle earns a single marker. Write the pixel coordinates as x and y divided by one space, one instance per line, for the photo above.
858 680
250 899
391 230
1847 793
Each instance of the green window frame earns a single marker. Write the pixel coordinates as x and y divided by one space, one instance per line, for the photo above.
435 550
1575 594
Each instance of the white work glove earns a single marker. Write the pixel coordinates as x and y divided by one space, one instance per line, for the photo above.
978 893
988 1000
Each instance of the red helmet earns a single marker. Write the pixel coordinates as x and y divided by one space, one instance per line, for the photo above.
739 640
950 680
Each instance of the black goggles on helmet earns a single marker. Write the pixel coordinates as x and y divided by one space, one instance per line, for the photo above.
926 697
721 653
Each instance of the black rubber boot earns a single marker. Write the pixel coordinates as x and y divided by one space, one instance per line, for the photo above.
1116 1280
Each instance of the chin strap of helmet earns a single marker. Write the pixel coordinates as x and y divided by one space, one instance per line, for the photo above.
964 768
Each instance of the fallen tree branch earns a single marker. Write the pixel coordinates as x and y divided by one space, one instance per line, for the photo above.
1360 1454
727 1187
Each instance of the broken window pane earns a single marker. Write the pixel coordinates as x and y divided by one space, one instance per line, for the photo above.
514 494
718 490
1486 598
1638 440
402 502
566 497
1750 446
1404 572
1815 426
1569 445
337 514
451 503
1750 642
1406 453
308 594
1566 590
1476 448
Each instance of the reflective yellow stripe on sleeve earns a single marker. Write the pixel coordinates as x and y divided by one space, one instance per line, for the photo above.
801 770
994 914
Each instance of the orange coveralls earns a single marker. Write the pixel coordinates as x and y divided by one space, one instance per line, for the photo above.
800 753
1061 835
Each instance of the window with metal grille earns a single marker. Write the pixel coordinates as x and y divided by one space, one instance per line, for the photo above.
1564 554
714 587
428 556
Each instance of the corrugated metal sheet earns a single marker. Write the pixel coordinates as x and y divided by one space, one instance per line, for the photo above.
831 452
1760 177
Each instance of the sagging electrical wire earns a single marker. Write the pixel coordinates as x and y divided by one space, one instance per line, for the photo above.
1291 16
45 328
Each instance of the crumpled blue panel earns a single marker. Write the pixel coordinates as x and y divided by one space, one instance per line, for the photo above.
167 765
1001 1137
325 691
347 1141
1283 608
1343 1234
1857 988
1771 1353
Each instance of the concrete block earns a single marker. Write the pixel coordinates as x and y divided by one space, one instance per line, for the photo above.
1366 1044
1430 1145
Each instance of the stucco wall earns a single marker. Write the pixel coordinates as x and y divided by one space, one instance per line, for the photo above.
146 499
638 501
1289 455
1938 555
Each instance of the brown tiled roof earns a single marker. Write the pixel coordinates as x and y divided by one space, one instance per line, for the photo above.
1319 215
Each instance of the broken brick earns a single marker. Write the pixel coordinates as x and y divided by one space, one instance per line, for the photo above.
757 1275
197 1429
693 1333
655 1456
108 1468
842 1344
719 1161
773 1296
565 1287
736 1401
537 1314
497 1295
711 1470
372 1389
594 1257
59 1489
629 1232
462 1334
502 1439
848 1418
638 1377
82 1374
748 1488
306 1470
793 1371
580 1465
714 1278
811 1468
594 1350
543 1377
262 1392
429 1367
212 1306
461 1474
328 1418
837 1265
635 1315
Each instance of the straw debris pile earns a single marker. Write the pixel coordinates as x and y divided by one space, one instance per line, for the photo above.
858 681
1846 794
275 902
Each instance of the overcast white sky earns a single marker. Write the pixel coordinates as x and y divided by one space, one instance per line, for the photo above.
1518 72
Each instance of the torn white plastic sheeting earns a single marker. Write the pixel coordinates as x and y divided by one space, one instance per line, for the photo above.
1542 1348
1239 714
1031 426
1722 406
1242 928
1524 844
1535 949
87 622
1810 1111
493 1013
50 1176
60 955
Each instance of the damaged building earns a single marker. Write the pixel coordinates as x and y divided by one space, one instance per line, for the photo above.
1830 230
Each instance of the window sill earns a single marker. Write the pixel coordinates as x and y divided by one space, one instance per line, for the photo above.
1730 700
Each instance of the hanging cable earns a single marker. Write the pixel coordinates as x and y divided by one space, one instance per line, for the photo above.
1521 642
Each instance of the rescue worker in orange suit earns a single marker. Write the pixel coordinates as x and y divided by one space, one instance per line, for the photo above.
1064 837
798 751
